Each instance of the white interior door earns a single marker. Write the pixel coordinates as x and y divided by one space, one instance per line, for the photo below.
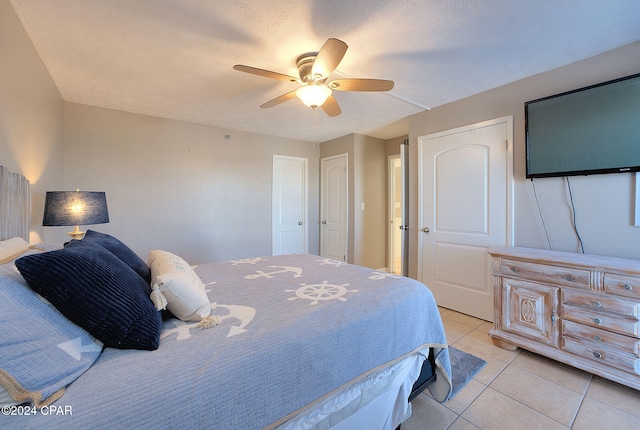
289 205
334 193
465 184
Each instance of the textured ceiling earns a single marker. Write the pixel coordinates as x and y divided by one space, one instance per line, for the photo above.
174 58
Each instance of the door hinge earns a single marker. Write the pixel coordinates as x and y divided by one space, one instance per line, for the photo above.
506 145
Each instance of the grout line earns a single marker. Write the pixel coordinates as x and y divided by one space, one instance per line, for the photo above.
575 417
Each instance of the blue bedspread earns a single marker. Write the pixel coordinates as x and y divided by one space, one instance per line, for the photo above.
293 329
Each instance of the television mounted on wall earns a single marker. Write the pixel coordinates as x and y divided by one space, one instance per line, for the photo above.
590 130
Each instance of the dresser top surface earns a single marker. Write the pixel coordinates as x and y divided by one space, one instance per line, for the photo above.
591 261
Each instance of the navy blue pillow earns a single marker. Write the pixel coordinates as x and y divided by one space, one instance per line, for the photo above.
120 250
97 291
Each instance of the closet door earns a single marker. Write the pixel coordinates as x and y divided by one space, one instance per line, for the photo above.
465 186
333 227
289 205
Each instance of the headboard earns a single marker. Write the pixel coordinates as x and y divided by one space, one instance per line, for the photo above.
15 205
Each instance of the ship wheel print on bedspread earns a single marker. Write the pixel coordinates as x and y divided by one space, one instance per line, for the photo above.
321 292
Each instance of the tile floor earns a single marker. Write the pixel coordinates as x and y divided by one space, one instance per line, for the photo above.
521 390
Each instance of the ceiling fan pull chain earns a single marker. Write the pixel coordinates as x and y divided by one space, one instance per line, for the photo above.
315 127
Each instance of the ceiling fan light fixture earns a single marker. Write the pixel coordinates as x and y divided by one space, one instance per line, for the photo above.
313 95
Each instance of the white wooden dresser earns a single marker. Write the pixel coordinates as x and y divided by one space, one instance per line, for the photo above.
582 310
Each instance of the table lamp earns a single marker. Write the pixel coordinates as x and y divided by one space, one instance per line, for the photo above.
75 208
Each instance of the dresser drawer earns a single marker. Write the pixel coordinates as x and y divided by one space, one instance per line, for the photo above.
608 356
544 273
628 286
600 319
601 338
602 302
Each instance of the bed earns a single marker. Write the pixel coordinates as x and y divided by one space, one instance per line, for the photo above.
285 342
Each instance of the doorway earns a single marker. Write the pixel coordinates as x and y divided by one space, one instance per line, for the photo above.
395 226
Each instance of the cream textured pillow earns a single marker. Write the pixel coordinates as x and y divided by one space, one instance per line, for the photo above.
177 288
12 248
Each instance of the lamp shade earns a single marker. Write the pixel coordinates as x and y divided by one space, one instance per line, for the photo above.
75 208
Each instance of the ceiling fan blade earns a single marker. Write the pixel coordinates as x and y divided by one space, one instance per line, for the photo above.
264 73
280 99
361 84
331 107
328 57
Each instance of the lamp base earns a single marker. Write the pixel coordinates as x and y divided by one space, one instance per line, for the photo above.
76 234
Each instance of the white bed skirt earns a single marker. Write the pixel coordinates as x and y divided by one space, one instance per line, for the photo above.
376 402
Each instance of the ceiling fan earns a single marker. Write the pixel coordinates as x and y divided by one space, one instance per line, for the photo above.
314 69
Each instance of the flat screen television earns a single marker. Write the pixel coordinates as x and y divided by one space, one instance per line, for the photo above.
587 131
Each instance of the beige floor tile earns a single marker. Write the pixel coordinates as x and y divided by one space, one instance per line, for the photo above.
466 396
547 397
454 330
485 327
480 342
567 376
428 414
462 424
443 310
616 395
596 415
494 410
463 319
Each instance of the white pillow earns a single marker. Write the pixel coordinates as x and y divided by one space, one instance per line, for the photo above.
176 287
12 248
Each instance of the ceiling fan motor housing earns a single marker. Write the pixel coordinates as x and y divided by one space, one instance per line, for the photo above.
305 64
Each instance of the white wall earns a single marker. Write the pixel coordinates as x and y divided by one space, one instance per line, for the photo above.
179 186
603 202
31 117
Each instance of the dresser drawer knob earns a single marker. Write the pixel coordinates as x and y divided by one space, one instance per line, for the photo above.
597 304
568 277
597 320
597 338
513 269
627 287
597 355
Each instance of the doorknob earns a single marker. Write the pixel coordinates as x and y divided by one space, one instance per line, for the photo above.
425 230
324 222
299 222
